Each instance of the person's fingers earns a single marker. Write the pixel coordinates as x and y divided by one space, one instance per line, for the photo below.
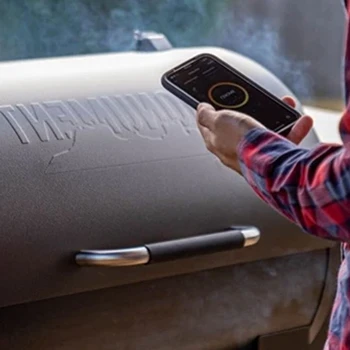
205 132
300 129
289 101
206 115
207 137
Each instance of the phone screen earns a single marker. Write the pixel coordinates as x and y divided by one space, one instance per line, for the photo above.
207 80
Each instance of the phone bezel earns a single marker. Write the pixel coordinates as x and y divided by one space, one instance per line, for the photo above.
187 98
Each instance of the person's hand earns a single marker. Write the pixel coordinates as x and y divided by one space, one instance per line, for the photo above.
223 130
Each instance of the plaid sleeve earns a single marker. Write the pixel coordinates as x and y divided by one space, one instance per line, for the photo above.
309 187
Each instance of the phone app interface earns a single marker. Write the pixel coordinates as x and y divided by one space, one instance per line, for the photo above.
207 80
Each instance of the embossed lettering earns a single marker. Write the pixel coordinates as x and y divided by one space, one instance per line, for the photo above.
147 115
103 115
58 110
122 104
88 117
177 110
117 113
152 113
9 113
153 117
40 121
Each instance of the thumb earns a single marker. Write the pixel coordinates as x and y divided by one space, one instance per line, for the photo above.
204 105
206 115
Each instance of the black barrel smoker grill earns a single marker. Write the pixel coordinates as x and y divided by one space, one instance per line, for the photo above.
101 166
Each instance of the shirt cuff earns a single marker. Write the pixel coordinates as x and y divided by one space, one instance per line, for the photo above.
251 136
256 150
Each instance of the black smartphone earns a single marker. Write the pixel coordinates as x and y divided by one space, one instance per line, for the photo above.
206 78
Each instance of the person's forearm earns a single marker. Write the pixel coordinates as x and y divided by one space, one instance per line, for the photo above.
307 186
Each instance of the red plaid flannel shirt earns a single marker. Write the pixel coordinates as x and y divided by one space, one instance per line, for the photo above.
311 188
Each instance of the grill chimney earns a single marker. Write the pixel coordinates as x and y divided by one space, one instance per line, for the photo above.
151 41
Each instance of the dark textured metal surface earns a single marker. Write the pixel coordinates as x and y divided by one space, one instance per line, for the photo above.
95 155
225 308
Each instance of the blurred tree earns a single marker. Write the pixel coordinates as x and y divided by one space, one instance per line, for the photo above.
41 28
284 36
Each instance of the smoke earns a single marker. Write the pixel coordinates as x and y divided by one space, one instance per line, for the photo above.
45 28
259 40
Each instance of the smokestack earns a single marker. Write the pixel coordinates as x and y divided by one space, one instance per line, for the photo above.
151 41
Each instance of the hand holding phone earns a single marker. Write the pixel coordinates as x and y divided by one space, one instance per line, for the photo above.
205 78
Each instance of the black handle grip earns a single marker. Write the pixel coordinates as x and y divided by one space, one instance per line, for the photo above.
234 238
